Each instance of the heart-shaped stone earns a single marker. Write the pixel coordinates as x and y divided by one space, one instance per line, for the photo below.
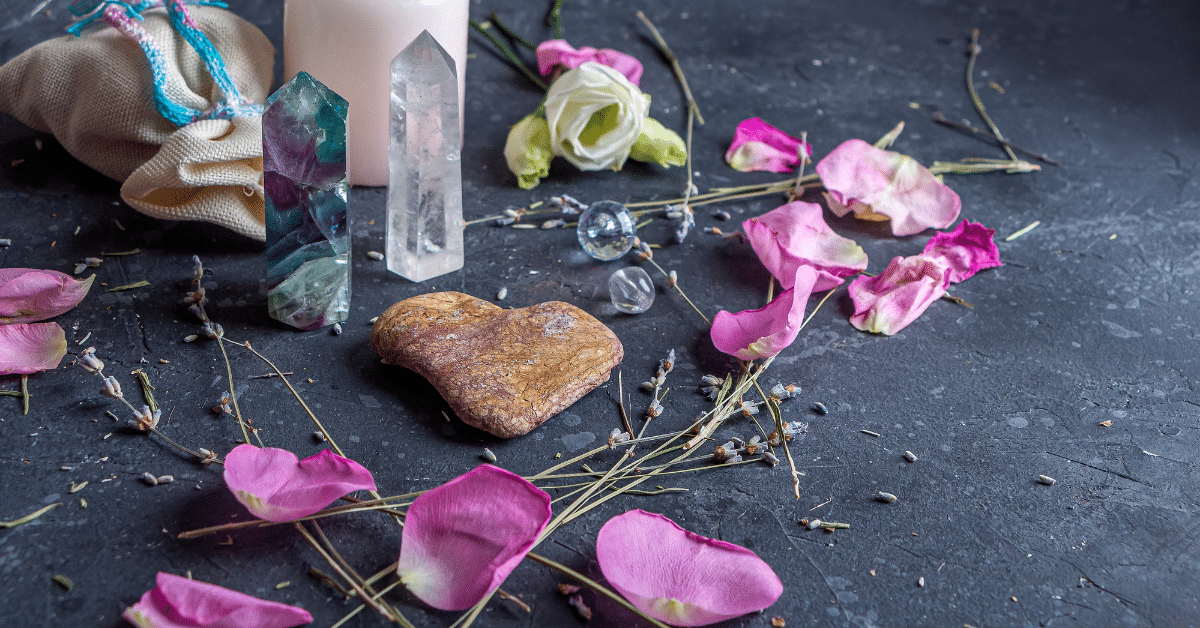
502 371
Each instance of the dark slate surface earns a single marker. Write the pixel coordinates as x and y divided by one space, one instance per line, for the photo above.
1092 318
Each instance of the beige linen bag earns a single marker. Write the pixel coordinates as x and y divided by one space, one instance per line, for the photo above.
136 101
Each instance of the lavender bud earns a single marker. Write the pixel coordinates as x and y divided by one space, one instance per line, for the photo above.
89 362
712 380
213 330
554 223
770 459
672 279
665 366
197 269
93 261
504 221
112 388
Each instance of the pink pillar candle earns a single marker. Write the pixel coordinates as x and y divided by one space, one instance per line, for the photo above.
349 45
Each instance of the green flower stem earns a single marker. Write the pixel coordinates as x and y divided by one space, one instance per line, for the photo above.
509 33
508 54
595 586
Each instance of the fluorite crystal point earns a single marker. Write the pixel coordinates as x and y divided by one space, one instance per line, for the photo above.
304 180
424 209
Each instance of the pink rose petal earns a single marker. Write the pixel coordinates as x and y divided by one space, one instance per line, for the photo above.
795 235
31 347
888 303
966 250
860 177
179 602
28 295
765 332
273 484
557 53
463 538
679 577
760 147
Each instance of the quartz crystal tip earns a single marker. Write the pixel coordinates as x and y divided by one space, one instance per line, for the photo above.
424 207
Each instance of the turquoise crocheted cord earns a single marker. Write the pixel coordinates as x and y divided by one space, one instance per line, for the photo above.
125 17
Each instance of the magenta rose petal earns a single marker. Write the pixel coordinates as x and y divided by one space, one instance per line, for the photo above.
795 235
179 602
862 178
966 250
28 295
273 484
31 347
682 578
463 538
557 53
888 303
766 331
760 147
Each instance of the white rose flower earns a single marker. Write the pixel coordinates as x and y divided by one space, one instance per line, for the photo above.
595 115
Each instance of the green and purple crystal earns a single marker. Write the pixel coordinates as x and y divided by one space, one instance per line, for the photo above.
304 178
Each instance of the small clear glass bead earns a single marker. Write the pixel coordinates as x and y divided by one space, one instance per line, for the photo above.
606 230
631 290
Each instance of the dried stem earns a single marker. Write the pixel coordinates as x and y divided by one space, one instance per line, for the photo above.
359 608
942 120
24 394
157 432
595 586
974 51
350 569
773 406
666 51
681 293
370 601
624 415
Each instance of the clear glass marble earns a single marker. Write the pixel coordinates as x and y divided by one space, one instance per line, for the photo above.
606 230
631 290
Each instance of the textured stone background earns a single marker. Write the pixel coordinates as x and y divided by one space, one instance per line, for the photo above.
1090 319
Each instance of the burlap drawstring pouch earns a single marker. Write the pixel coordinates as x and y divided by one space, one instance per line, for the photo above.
164 99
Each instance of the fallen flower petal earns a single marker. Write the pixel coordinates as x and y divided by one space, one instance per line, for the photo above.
966 250
557 53
463 538
869 180
888 303
795 235
28 295
765 332
179 602
273 484
31 347
679 577
760 147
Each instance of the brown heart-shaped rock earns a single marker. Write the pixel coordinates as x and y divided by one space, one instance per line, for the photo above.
503 371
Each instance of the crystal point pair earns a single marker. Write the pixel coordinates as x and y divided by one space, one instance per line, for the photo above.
305 187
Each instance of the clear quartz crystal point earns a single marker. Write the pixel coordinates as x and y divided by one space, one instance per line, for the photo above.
424 208
631 290
606 230
304 182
